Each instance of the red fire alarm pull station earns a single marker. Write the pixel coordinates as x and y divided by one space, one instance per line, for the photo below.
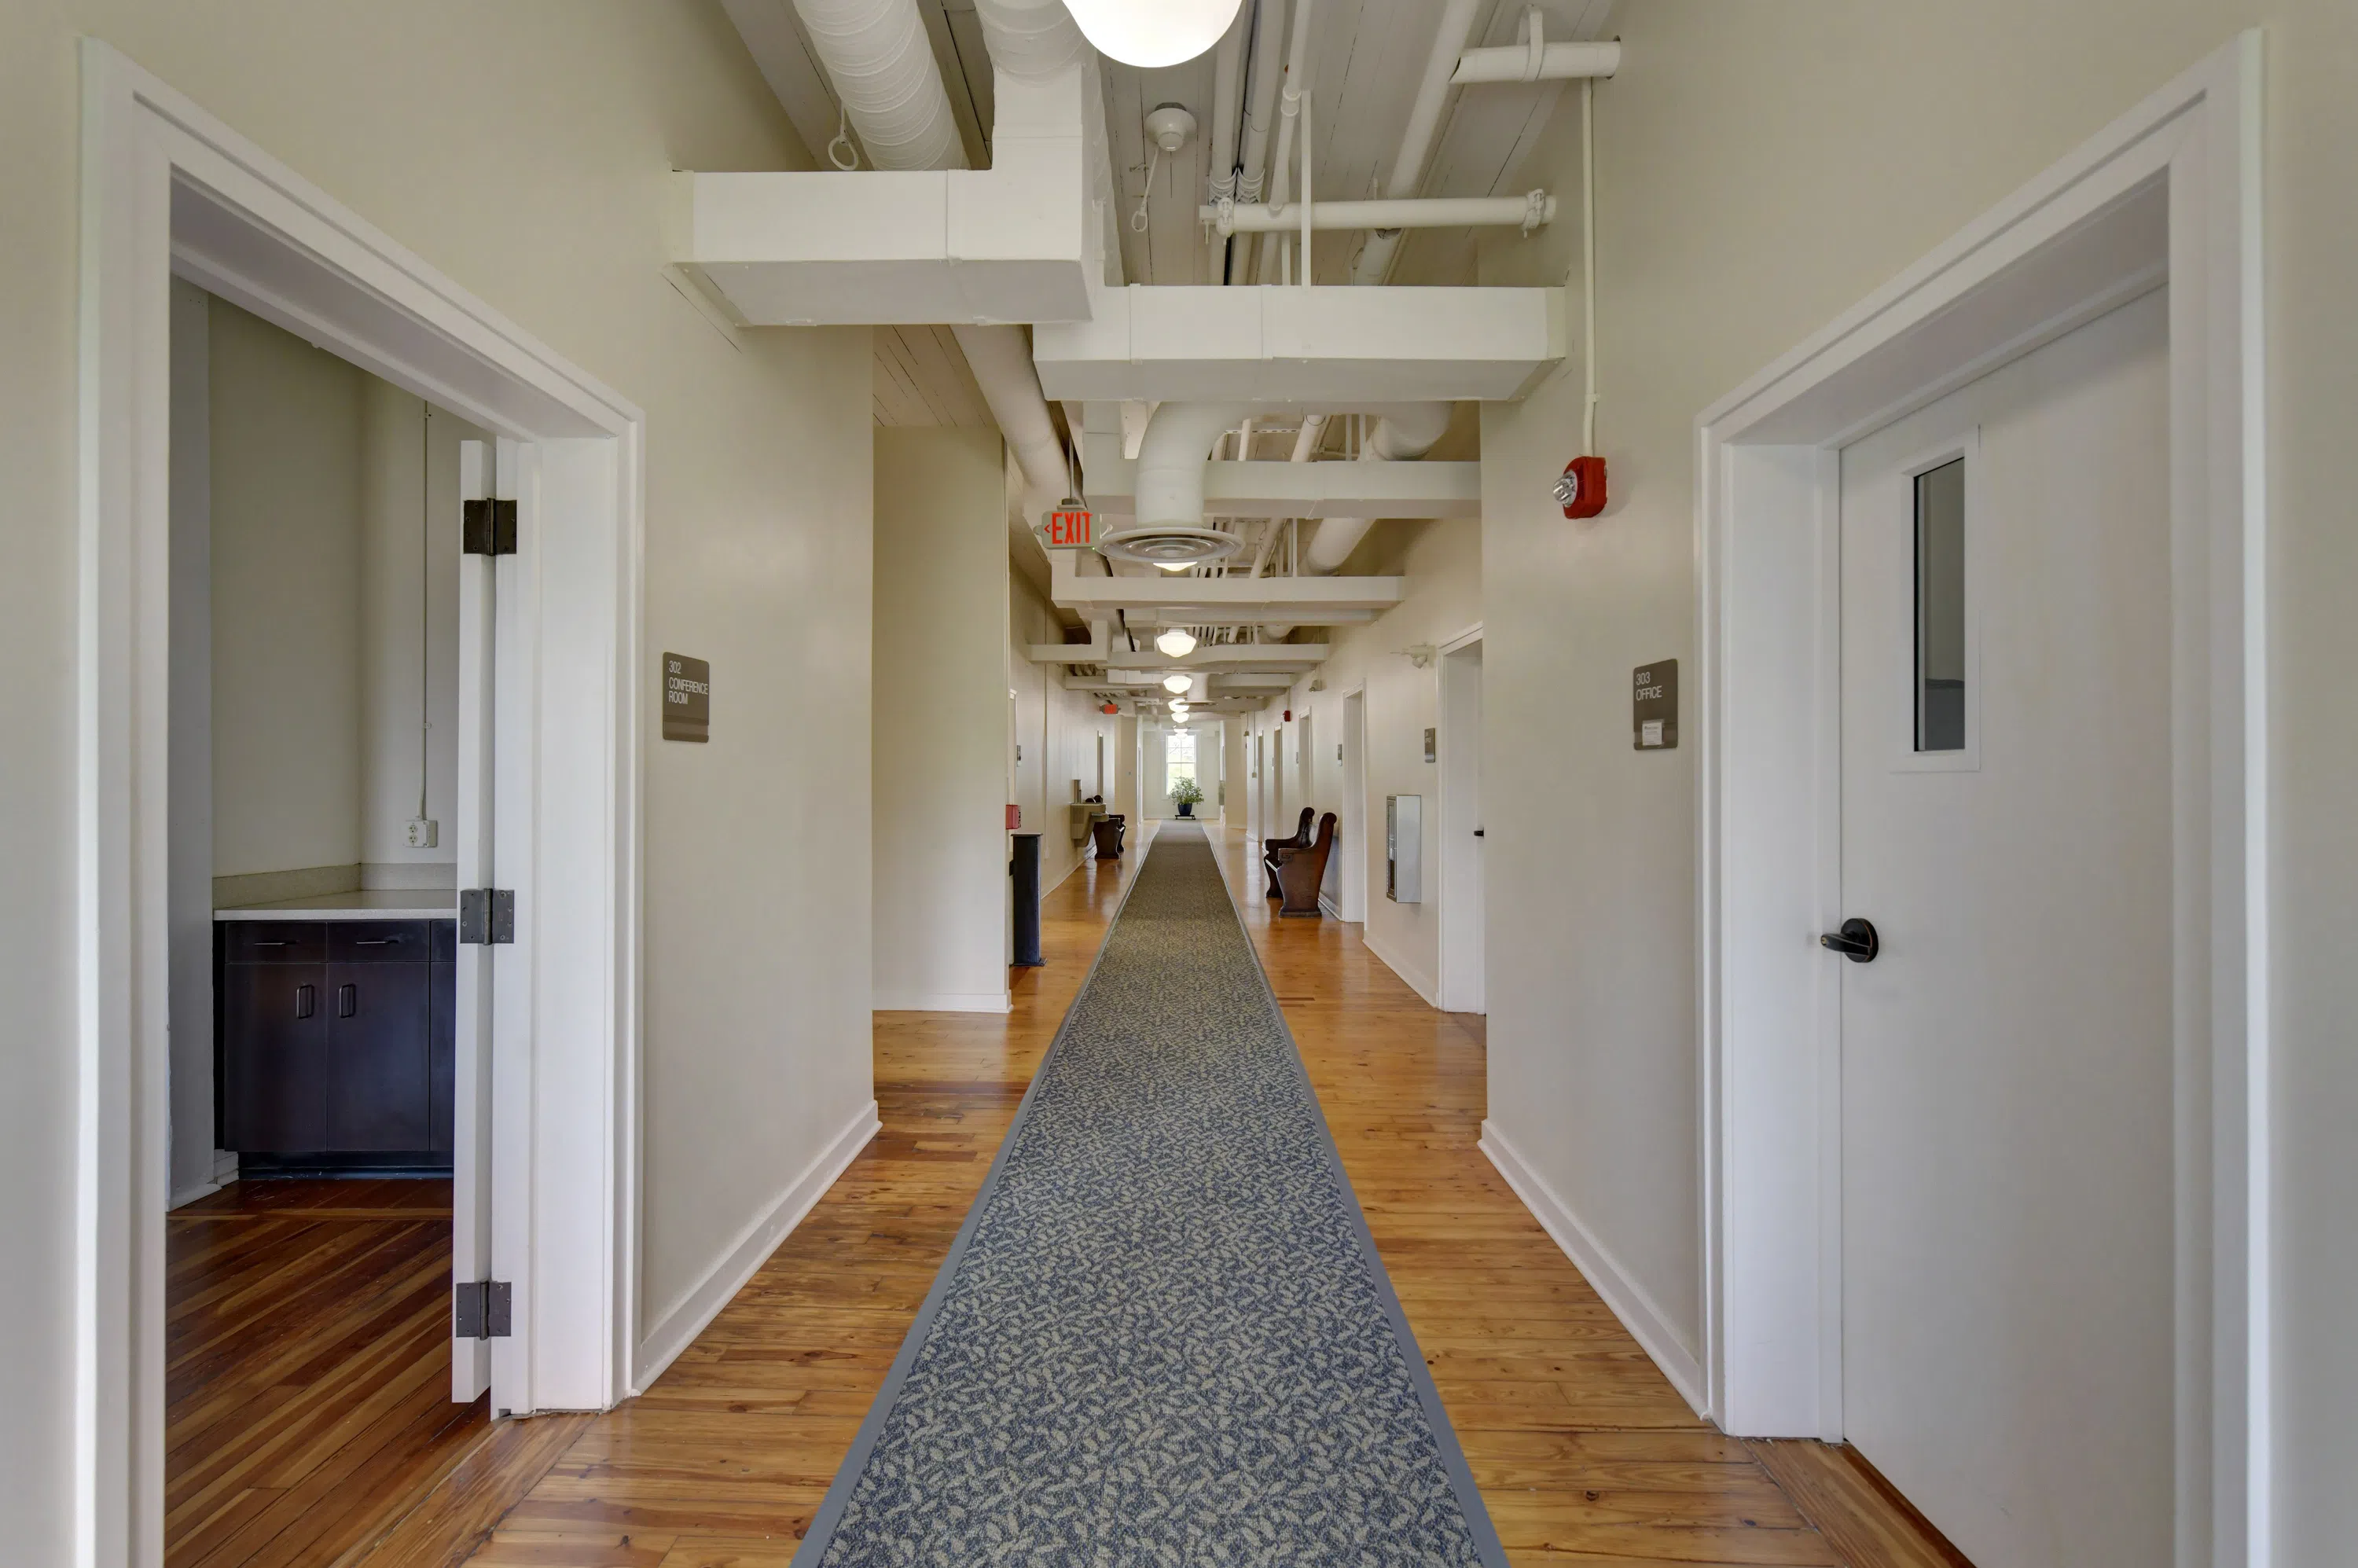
1581 491
1014 818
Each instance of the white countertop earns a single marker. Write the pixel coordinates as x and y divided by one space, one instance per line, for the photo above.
383 904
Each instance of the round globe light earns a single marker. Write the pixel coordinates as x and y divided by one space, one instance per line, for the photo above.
1175 682
1152 32
1178 643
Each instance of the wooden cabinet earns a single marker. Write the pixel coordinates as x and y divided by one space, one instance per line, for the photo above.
336 1038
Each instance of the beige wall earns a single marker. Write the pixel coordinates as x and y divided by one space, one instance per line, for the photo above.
945 724
522 148
287 487
1762 167
1060 731
1442 564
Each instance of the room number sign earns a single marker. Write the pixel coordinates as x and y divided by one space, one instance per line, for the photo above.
1654 706
687 698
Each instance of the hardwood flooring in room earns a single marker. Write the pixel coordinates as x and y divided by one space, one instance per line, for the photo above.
307 1366
1585 1454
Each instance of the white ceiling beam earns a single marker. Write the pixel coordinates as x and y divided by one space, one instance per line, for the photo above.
1262 489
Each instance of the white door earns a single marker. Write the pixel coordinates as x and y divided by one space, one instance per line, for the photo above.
493 698
1461 830
2007 1056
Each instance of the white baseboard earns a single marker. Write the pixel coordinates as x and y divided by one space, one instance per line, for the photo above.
676 1328
1419 984
190 1194
939 1002
1630 1304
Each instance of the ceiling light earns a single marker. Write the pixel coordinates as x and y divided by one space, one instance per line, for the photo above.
1175 682
1178 643
1152 32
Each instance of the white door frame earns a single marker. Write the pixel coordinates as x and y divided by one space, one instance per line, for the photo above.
166 188
2170 192
1459 939
1354 838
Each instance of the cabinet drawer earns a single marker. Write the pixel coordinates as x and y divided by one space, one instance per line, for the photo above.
377 942
273 942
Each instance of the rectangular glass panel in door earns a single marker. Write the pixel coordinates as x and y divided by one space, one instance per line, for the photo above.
1940 608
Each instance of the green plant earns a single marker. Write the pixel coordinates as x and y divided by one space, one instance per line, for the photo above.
1186 792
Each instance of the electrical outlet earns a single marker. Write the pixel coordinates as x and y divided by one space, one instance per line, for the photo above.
424 832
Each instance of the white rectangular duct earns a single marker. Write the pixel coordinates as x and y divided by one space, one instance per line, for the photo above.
1274 489
1011 243
1326 346
1226 601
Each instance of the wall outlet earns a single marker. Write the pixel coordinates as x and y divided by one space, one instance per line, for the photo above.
424 832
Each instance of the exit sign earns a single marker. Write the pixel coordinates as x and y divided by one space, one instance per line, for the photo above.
1071 526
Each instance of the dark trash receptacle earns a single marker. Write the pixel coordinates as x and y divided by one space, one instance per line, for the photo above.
1025 868
1109 831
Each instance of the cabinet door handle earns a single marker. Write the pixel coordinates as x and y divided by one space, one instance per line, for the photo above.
303 1003
376 941
348 1000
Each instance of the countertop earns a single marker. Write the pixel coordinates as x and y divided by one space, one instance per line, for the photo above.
383 905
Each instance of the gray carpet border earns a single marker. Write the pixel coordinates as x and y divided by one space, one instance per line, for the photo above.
821 1534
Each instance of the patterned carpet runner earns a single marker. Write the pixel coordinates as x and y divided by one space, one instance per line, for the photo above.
1164 1335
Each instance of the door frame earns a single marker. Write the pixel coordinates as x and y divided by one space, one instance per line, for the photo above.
1354 842
2168 193
167 188
1455 989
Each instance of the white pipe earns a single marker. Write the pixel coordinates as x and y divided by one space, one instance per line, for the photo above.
1411 433
1227 95
1309 197
1171 458
1281 170
1001 362
882 64
1549 62
1407 176
1261 103
1431 213
1588 262
1032 40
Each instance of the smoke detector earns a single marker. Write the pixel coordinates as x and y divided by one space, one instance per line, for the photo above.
1170 126
1173 547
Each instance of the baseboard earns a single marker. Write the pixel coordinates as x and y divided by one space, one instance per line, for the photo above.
677 1329
1630 1304
190 1194
1415 982
939 1002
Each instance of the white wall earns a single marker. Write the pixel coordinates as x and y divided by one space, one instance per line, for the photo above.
191 829
409 607
1443 562
1755 182
944 731
285 425
523 148
1060 731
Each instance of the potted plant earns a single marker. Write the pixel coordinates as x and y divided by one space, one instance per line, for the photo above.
1185 794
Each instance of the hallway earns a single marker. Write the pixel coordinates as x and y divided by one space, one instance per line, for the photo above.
1582 1451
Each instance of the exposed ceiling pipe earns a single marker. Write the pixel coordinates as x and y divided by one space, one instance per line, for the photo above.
1536 59
1171 458
1417 138
1228 94
882 64
1527 213
1033 39
1261 106
1281 170
1408 433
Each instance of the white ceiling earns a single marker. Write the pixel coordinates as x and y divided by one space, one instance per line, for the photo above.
1367 59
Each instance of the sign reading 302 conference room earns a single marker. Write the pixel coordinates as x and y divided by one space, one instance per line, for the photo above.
687 698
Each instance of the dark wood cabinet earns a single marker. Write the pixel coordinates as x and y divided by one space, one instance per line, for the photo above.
336 1038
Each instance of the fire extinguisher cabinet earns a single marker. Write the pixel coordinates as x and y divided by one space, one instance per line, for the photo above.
1025 868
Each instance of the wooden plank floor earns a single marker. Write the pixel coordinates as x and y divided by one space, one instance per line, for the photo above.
308 1365
1583 1452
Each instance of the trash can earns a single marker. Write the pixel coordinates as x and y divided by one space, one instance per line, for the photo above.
1025 868
1107 830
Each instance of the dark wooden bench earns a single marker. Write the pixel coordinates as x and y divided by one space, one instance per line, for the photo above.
1297 870
1270 847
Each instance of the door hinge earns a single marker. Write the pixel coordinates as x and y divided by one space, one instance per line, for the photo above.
480 1309
486 915
490 528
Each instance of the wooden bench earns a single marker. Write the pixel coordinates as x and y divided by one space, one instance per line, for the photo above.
1269 847
1297 870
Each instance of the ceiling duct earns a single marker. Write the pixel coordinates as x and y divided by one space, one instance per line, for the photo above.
1410 433
882 68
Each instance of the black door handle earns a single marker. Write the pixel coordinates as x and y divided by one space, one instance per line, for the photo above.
348 1000
1855 941
1477 832
302 1002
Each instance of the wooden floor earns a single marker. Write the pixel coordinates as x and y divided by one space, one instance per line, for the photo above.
1582 1451
307 1359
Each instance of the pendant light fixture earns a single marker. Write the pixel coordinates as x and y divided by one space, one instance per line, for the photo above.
1175 682
1178 642
1152 33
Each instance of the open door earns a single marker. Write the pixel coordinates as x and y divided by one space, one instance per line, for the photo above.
486 1313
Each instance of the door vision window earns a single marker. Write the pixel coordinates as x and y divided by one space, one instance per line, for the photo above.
1941 644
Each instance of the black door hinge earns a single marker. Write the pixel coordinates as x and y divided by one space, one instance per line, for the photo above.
486 915
480 1309
490 528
